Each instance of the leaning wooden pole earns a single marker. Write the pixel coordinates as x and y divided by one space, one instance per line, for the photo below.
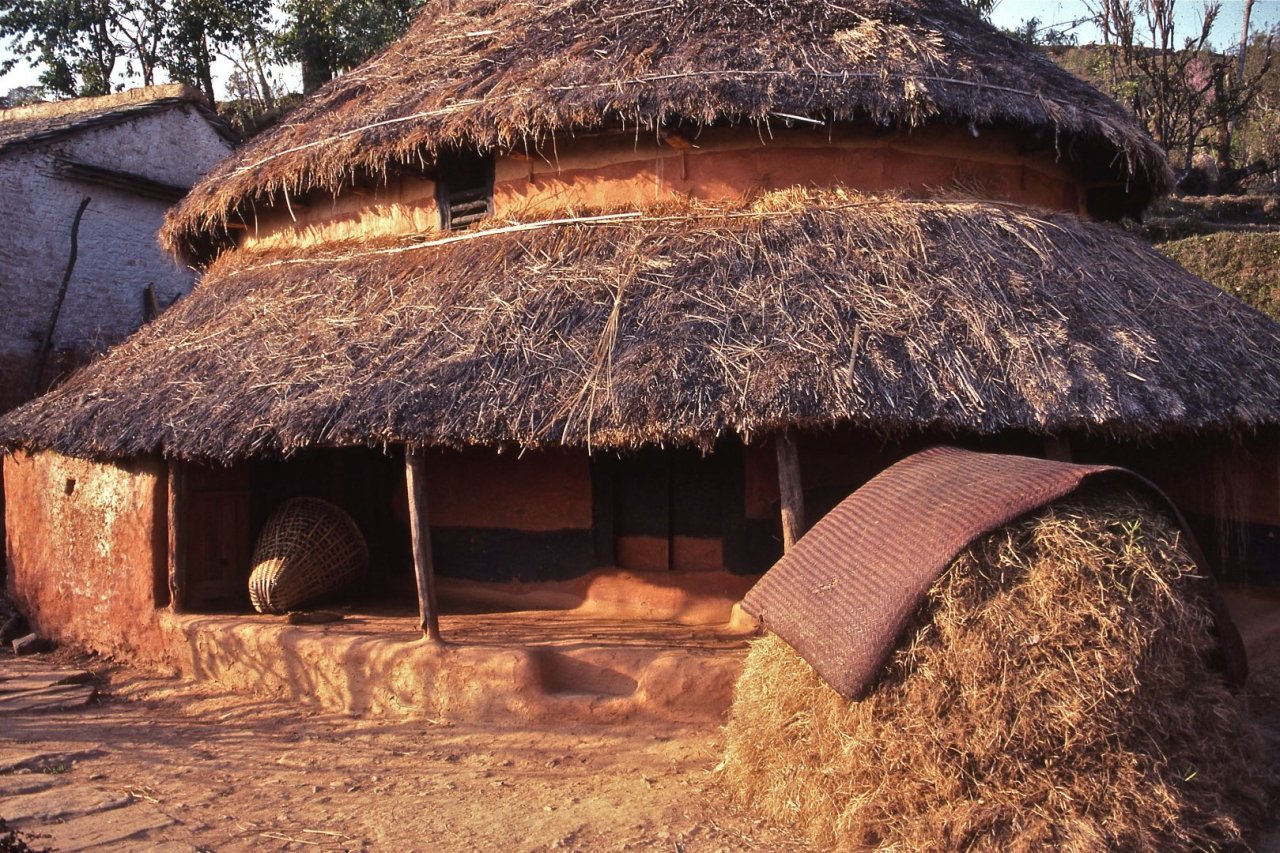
791 490
423 568
176 507
47 344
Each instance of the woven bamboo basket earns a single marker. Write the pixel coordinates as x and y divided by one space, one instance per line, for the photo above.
308 549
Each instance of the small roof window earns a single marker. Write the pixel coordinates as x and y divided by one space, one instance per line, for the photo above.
464 189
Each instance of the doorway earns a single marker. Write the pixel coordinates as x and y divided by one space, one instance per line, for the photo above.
672 509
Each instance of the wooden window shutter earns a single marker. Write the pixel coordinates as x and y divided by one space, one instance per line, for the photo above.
464 189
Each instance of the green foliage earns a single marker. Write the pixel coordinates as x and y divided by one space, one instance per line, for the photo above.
197 28
981 8
82 45
250 116
330 36
1246 265
86 47
74 42
1032 31
21 96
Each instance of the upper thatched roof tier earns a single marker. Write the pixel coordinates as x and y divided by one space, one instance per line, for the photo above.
802 310
484 74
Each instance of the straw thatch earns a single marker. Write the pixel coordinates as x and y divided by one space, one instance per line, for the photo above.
1052 694
480 74
806 309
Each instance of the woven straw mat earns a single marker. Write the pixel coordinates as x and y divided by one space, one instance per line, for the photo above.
842 596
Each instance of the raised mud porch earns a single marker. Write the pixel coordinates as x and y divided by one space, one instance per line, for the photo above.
571 586
630 648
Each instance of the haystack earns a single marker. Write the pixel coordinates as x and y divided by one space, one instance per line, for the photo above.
1053 690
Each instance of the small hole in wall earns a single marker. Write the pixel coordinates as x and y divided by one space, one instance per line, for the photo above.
71 485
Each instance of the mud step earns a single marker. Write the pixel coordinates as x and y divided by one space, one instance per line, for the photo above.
564 673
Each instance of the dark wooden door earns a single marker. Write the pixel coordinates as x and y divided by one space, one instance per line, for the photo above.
674 509
219 547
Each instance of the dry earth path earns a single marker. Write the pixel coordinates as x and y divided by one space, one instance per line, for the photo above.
156 763
159 764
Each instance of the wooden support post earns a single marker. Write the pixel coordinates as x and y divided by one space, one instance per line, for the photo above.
791 490
423 568
177 521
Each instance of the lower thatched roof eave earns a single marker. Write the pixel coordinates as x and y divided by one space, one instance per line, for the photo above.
677 326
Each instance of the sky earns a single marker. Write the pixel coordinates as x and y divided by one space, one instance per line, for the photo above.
1053 13
1007 14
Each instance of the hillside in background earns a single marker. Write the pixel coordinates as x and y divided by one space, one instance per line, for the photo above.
1231 241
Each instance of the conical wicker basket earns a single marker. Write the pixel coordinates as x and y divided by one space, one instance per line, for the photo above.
308 549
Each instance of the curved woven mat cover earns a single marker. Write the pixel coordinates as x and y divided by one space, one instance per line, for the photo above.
845 592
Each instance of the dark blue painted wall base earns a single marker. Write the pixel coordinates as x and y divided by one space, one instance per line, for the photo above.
500 554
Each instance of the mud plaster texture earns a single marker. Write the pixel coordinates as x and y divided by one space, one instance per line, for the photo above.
608 647
83 542
160 764
621 172
163 764
87 562
117 257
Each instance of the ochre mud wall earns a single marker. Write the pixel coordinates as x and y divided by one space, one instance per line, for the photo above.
623 172
86 549
611 172
1227 487
402 205
502 517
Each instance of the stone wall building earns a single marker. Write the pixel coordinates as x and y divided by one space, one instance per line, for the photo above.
131 155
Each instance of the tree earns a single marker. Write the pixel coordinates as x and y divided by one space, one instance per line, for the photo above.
197 30
79 44
1179 89
1033 32
21 96
981 8
1256 136
76 43
141 24
327 37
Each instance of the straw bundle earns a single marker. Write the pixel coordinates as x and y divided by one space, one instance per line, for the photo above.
1052 691
308 549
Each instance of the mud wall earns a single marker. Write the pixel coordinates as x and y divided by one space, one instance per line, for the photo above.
1228 487
621 171
86 553
502 517
611 172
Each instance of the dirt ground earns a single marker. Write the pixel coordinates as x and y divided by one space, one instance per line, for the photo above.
157 763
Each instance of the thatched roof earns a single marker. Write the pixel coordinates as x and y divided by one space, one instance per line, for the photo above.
804 309
477 73
38 124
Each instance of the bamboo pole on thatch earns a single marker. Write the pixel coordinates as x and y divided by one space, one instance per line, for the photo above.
423 568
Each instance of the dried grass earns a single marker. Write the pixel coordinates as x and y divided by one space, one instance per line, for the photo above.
797 309
1053 693
515 75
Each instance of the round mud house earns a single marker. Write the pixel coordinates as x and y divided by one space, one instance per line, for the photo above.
596 303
